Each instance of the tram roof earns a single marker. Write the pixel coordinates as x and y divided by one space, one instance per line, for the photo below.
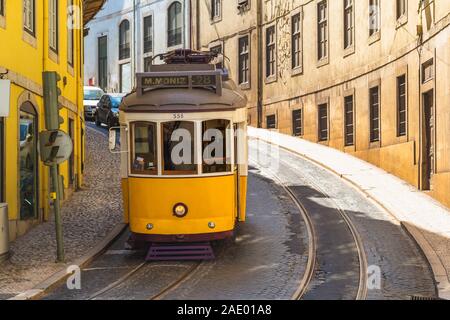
168 100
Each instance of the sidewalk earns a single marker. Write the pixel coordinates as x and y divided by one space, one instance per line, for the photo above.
423 217
89 216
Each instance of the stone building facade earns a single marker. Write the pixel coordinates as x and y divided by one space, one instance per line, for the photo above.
125 36
370 78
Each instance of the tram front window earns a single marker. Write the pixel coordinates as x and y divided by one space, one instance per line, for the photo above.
144 153
178 148
216 154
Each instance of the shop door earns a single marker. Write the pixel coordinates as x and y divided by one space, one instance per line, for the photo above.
28 162
429 144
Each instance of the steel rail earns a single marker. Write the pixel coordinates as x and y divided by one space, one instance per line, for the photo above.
362 288
175 284
312 247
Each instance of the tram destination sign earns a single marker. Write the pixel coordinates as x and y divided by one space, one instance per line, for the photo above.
178 81
186 80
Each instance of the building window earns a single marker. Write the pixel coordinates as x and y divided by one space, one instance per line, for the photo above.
271 122
53 25
148 34
375 114
401 8
296 41
349 121
323 122
428 71
70 35
322 30
103 62
29 16
216 9
270 52
297 122
125 77
349 27
219 51
124 40
244 60
402 113
374 16
175 29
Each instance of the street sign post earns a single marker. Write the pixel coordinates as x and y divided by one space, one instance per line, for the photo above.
54 148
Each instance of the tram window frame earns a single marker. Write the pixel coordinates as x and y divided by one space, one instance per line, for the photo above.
133 170
226 167
194 145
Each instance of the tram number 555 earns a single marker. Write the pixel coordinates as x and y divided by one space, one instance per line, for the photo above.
178 116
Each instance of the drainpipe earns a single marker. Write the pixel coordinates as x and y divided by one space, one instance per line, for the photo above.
260 66
184 24
419 51
189 13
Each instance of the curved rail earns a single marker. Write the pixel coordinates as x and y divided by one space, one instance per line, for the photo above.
310 268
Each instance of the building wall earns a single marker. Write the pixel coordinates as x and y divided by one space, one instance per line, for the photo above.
106 23
23 58
378 60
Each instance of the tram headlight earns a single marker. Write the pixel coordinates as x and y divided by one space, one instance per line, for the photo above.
180 210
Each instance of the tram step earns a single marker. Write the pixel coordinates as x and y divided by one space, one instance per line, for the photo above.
180 252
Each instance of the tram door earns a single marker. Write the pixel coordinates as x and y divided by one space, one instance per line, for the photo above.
236 170
429 144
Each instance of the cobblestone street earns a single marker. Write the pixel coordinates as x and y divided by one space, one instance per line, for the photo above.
88 216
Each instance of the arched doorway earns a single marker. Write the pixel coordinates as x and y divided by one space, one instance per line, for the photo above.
28 161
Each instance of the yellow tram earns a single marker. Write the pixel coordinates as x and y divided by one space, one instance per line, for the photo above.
184 152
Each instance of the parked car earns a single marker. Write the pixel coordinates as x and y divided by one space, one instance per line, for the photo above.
92 96
108 109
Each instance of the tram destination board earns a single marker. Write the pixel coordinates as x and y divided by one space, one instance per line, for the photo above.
178 81
192 79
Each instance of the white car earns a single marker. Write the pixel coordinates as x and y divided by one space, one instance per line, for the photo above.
92 96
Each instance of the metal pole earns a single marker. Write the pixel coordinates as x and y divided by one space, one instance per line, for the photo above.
57 210
259 106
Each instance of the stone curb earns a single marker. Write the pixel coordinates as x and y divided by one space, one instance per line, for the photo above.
437 268
46 285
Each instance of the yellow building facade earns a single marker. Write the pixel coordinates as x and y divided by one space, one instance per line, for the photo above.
38 36
368 77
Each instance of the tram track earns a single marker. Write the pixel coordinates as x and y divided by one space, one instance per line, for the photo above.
311 267
129 277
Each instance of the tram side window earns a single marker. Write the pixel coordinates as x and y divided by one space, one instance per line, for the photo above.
216 158
144 149
178 148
